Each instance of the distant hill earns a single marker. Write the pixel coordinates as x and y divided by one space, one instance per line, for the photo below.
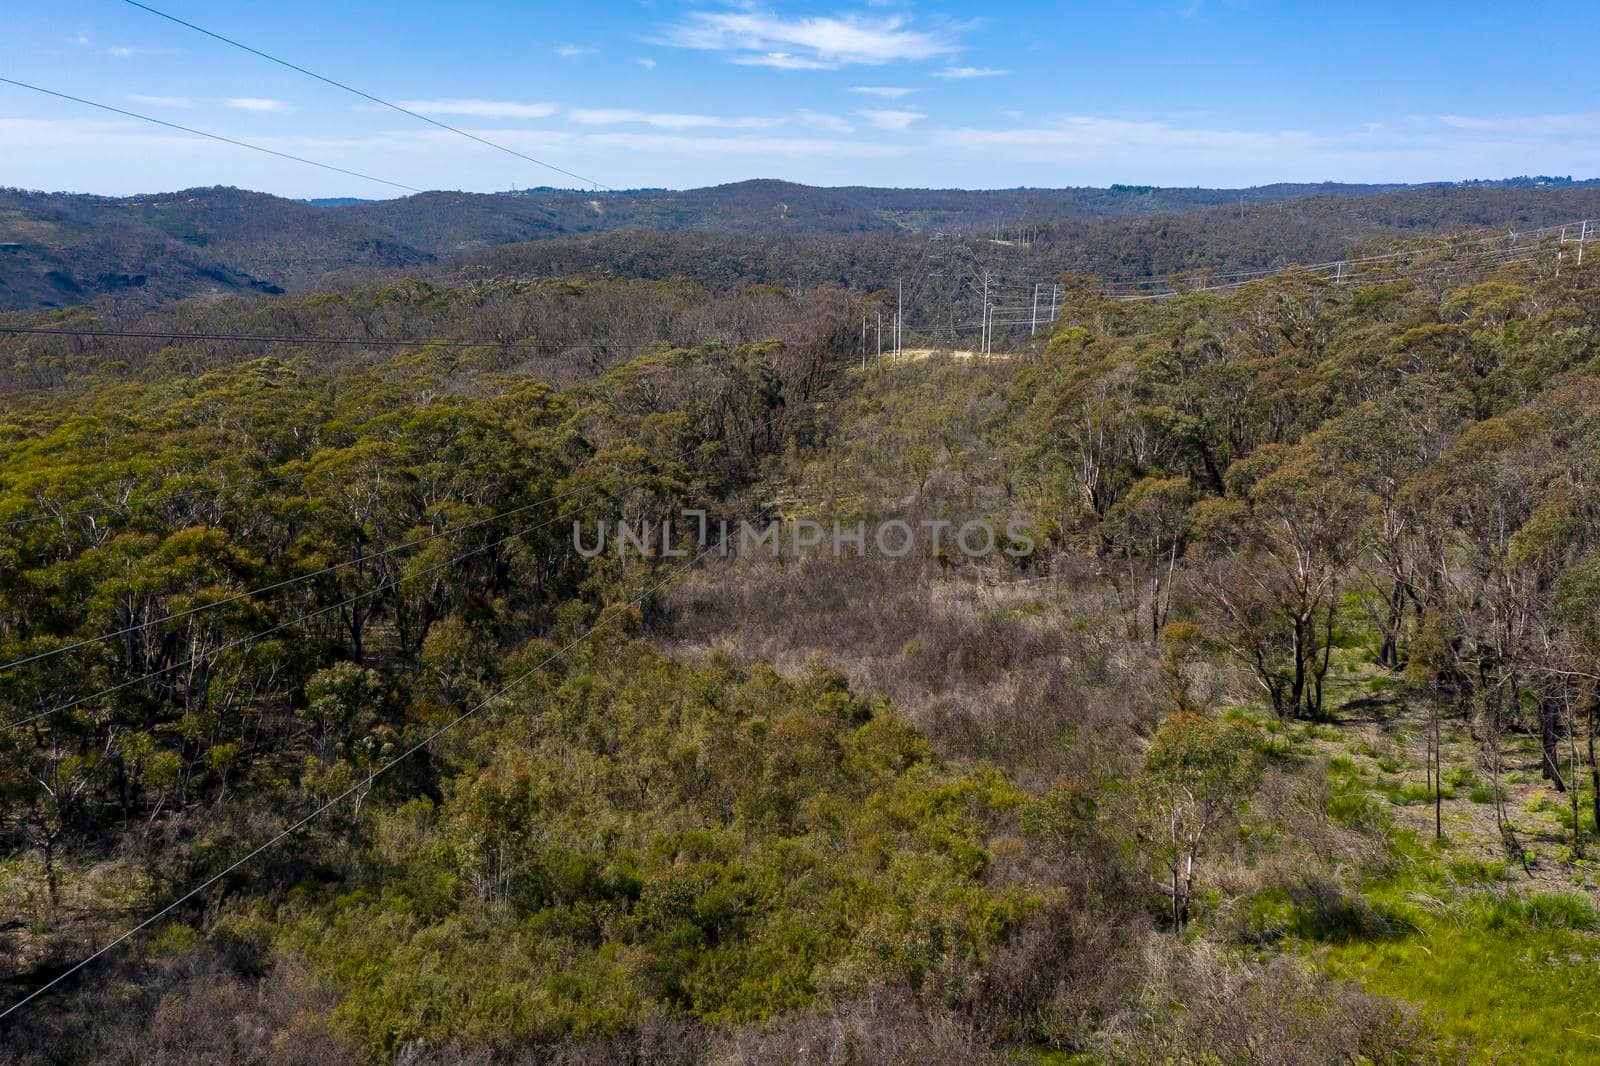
60 249
1267 234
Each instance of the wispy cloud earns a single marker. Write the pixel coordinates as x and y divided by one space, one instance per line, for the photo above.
1098 149
817 120
258 104
964 73
892 120
572 51
1094 132
161 101
760 38
1529 125
118 51
782 61
626 116
887 92
763 147
480 108
648 64
128 51
162 160
1081 149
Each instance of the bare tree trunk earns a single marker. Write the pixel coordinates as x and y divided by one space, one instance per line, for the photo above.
1389 649
1298 689
1594 767
1438 784
1508 835
1572 773
1320 668
1549 716
51 879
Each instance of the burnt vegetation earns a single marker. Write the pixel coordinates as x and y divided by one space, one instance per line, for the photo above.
1278 747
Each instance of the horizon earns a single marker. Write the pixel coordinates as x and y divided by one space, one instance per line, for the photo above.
883 95
756 533
1526 180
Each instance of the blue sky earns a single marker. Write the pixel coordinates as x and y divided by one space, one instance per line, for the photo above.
659 93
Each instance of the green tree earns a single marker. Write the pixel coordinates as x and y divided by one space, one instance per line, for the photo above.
1198 776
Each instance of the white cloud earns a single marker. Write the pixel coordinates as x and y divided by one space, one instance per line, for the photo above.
572 51
648 64
719 147
887 92
81 39
423 146
1531 125
480 108
68 153
627 116
819 121
964 73
63 154
161 101
892 120
1094 132
782 61
122 51
258 104
760 38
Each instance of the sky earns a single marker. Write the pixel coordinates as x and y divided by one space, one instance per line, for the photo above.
656 93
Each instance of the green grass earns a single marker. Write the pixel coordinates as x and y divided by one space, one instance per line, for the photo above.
1415 792
1513 975
1510 973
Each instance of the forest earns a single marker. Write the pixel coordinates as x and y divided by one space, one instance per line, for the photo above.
1280 747
60 250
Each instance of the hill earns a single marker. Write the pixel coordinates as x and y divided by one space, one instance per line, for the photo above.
1238 761
61 249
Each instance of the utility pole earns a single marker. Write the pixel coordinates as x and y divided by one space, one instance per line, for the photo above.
863 338
899 313
1055 290
880 335
1034 328
985 343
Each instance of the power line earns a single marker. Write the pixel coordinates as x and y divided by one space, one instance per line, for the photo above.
130 503
241 641
415 342
212 136
365 783
238 596
367 96
58 516
1518 244
368 342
